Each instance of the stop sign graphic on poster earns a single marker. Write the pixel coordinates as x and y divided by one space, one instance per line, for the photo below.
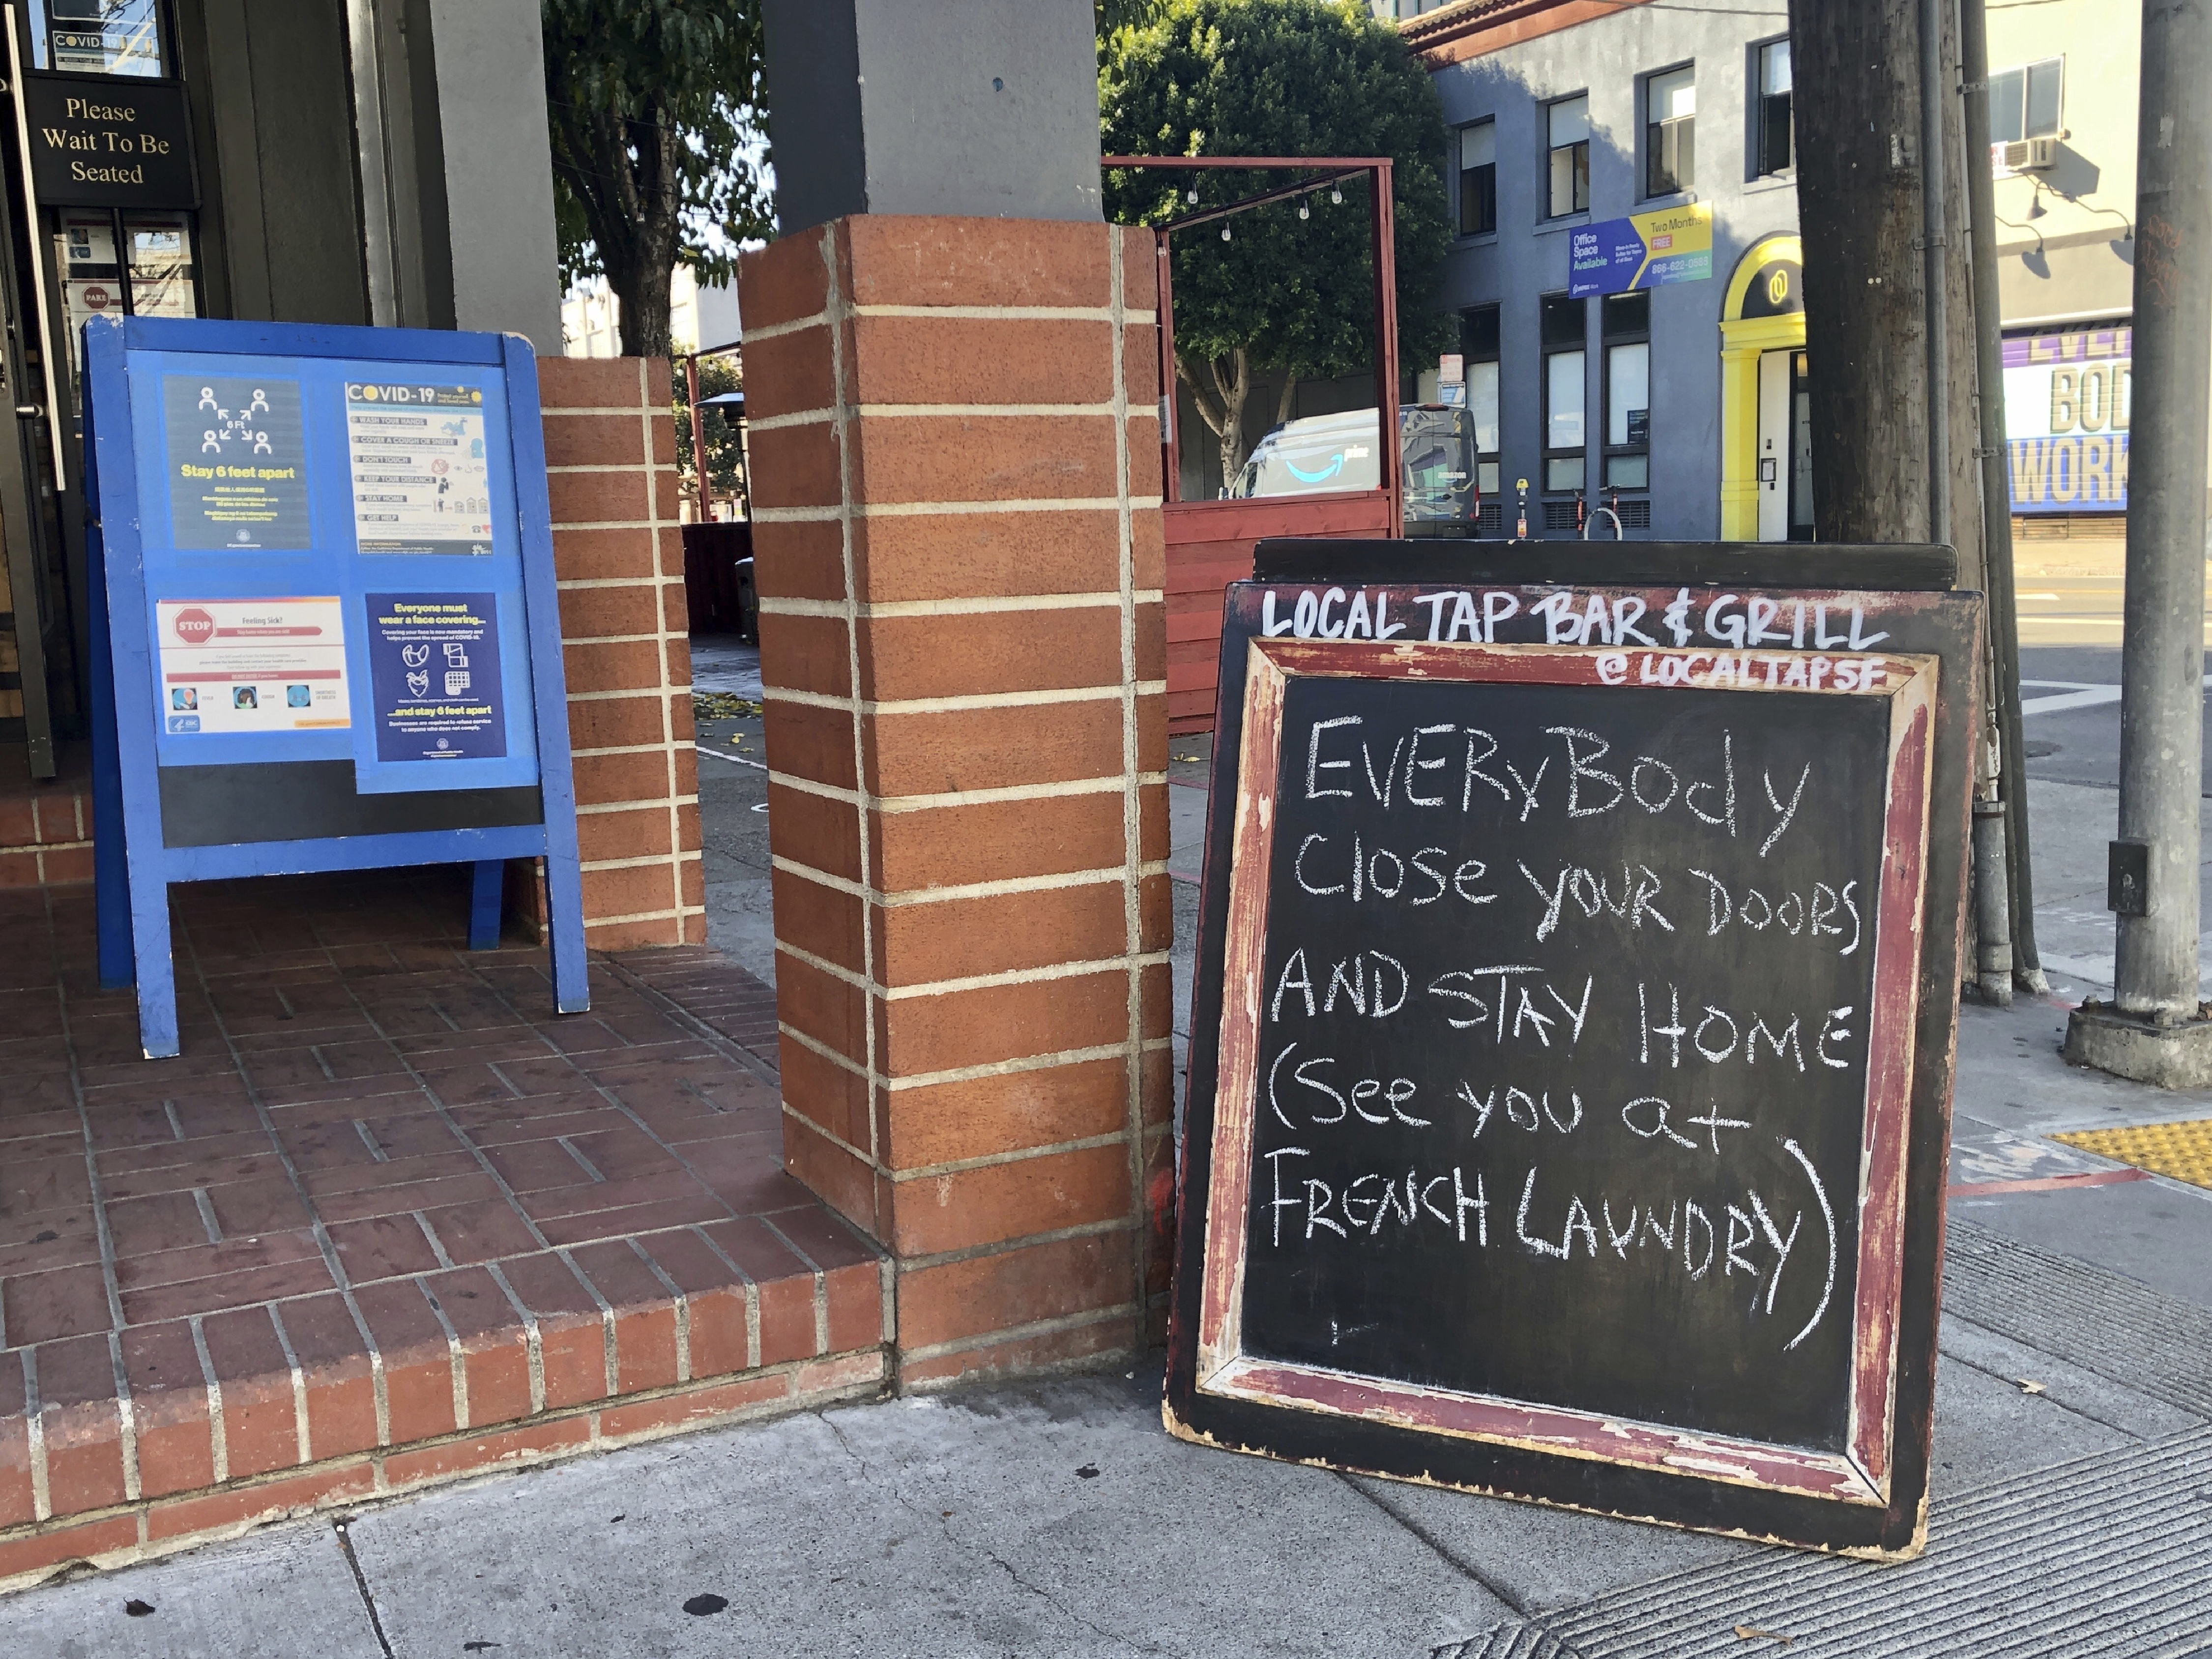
194 626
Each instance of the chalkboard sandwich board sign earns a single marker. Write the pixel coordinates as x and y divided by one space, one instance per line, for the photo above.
1572 1037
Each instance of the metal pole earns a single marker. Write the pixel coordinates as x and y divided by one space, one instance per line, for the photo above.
2162 654
1936 296
698 435
1996 493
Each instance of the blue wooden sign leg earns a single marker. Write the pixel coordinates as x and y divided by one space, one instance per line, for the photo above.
564 920
487 894
564 880
110 870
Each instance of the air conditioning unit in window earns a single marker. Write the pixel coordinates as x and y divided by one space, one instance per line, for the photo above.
2007 157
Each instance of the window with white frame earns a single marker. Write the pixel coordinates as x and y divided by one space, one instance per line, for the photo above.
1773 140
2024 100
1562 326
1478 179
1566 132
1670 131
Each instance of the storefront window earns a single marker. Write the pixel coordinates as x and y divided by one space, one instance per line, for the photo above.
1566 391
154 278
1478 345
97 37
1626 324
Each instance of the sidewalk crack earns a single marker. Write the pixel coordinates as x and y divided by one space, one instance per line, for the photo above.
978 1548
1442 1552
339 1529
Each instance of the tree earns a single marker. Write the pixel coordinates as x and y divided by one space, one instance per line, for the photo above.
1286 292
658 157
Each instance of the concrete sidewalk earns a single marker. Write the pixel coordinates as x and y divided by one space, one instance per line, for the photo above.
2069 1515
2071 1512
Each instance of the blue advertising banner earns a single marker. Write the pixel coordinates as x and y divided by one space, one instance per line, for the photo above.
434 674
1644 250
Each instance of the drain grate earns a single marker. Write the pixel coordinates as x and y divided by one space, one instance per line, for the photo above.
2183 1150
2100 1559
2154 1344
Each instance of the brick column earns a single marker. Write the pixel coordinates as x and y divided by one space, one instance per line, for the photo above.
618 556
959 550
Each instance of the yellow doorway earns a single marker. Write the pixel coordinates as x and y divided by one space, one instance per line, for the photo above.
1763 313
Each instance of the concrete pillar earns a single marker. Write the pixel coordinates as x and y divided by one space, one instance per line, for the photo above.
955 442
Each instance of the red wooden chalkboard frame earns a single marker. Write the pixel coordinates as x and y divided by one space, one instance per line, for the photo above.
1908 682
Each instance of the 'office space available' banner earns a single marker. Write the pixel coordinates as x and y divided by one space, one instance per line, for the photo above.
2068 401
1644 250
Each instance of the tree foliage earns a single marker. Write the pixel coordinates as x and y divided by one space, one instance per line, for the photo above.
725 452
658 154
1278 77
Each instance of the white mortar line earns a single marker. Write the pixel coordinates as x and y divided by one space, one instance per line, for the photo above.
837 308
892 805
1105 313
777 330
966 703
1132 801
218 1431
973 606
34 1421
668 688
936 509
939 895
304 1439
945 412
1041 974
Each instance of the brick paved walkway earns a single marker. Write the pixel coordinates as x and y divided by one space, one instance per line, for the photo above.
386 1219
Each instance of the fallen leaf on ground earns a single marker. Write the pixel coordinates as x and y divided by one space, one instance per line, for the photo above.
136 1608
2026 1387
700 1606
1752 1634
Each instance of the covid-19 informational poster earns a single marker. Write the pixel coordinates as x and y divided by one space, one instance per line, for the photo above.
434 674
420 481
238 464
252 665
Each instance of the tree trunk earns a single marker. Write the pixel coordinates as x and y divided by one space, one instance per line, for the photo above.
1221 405
624 174
1857 66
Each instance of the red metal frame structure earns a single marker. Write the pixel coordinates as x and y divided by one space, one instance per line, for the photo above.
1209 544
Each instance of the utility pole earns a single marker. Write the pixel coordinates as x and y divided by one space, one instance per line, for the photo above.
2155 1033
1890 324
1870 265
2003 611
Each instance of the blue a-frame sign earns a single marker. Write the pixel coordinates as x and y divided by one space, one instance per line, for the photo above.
326 631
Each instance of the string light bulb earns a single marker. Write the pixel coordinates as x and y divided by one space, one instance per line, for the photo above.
1337 196
1192 195
1224 233
1305 212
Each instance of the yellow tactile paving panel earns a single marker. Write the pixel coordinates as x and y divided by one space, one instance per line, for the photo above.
2183 1150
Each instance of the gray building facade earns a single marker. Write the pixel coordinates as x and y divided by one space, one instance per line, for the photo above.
1680 404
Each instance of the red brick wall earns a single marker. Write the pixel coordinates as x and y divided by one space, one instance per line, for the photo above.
618 554
957 533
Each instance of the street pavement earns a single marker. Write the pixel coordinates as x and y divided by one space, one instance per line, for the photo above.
2071 1512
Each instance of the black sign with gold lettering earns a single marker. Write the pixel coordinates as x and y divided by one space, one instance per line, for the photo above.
110 141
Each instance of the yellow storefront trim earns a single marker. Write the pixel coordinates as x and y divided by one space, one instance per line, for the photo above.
1742 342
